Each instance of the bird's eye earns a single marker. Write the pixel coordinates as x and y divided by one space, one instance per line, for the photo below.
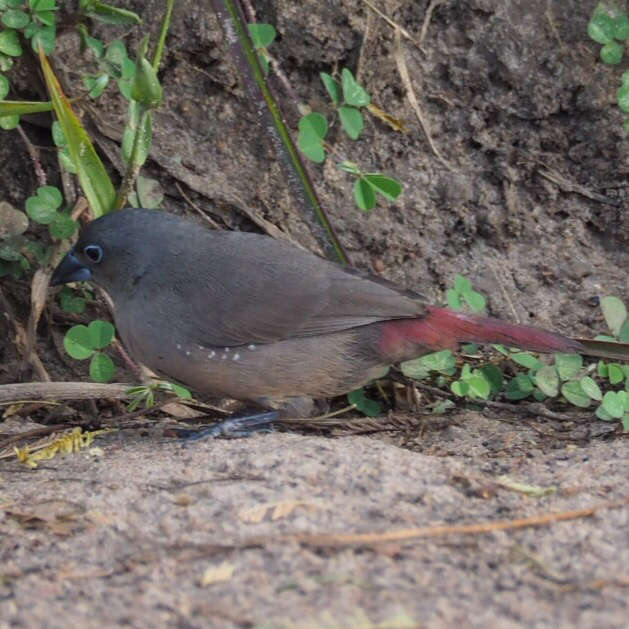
94 253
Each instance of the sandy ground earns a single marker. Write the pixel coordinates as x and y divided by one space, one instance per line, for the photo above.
126 534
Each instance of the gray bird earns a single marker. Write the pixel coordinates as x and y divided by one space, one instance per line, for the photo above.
245 316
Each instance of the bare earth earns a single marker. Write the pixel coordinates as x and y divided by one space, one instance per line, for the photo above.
125 537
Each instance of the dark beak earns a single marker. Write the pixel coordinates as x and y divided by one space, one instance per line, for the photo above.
70 269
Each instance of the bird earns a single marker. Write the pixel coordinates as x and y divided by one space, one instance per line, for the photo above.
245 316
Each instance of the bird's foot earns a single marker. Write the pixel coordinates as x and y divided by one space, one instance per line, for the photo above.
239 426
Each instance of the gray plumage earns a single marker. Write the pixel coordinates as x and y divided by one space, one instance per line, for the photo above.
244 316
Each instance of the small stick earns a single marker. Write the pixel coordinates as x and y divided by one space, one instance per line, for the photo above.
36 391
351 539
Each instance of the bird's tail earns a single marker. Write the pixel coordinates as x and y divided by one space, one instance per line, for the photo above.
441 328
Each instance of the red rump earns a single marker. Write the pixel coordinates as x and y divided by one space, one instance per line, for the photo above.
445 329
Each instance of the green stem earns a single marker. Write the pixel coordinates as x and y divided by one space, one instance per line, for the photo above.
135 163
161 42
235 29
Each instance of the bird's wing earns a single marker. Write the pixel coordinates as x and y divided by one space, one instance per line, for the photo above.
253 289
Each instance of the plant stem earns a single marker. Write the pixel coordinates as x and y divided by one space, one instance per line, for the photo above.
230 16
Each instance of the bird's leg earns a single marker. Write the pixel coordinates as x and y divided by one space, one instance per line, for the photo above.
237 426
247 423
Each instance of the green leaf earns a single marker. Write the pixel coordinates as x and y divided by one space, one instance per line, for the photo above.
475 300
116 53
262 35
368 407
454 299
526 360
351 121
314 123
40 5
615 313
568 365
519 387
62 226
11 248
494 376
136 126
48 18
38 250
601 413
70 302
601 28
615 373
96 85
95 45
39 211
611 53
101 368
93 177
479 387
389 188
45 37
101 333
10 43
622 97
353 93
443 361
613 403
4 87
623 335
110 15
547 379
6 63
573 392
349 167
14 18
146 88
50 195
42 207
312 129
539 395
590 388
461 284
460 388
180 392
364 195
311 146
78 343
150 192
9 122
332 87
621 27
66 161
415 369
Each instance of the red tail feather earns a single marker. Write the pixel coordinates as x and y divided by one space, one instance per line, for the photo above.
445 329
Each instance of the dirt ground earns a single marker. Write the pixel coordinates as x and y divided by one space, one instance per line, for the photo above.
526 197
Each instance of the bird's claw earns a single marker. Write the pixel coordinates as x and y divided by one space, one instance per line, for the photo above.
241 426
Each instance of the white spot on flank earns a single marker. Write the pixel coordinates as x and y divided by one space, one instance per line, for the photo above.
187 353
252 346
211 354
178 346
224 356
226 349
236 356
201 347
